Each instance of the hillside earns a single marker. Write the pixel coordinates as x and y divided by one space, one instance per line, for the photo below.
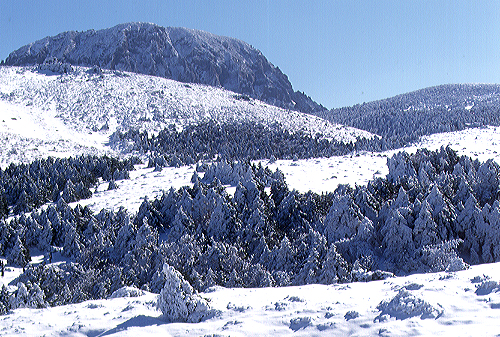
181 54
45 112
404 118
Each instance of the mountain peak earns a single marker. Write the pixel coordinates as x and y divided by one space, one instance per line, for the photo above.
181 54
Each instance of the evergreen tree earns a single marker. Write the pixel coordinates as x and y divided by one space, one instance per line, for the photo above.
72 246
4 300
23 204
425 229
4 207
397 239
69 193
19 254
179 302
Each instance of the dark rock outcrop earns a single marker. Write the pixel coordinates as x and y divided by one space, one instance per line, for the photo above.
181 54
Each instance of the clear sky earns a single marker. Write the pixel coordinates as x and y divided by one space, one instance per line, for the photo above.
338 52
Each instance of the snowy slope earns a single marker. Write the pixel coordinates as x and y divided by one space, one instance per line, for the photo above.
63 114
359 168
317 174
403 119
80 110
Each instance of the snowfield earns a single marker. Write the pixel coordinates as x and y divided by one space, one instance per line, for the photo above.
464 303
357 168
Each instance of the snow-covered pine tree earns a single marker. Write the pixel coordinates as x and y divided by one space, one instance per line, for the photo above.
220 224
181 225
20 297
425 229
4 300
179 302
72 246
36 297
19 255
69 193
397 239
23 204
334 269
343 219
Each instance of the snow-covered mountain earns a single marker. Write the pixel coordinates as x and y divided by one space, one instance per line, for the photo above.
44 112
181 54
404 118
94 239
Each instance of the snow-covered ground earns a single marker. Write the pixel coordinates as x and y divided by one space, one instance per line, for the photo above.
143 182
460 303
33 126
325 174
464 303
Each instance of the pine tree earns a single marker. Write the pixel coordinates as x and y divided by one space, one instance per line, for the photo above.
425 229
219 224
33 231
179 302
23 204
181 225
343 219
4 301
20 298
397 236
19 255
283 256
36 297
69 194
72 246
334 269
124 240
4 206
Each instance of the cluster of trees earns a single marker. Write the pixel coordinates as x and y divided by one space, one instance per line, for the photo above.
403 119
24 187
53 65
434 211
233 141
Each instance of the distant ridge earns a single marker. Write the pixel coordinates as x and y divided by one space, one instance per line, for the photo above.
181 54
404 118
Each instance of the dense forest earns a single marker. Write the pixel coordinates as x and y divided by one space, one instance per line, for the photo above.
238 141
24 187
434 211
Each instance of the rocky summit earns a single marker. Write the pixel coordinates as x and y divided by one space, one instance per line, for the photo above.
181 54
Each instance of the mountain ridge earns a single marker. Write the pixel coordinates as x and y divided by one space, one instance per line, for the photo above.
181 54
404 118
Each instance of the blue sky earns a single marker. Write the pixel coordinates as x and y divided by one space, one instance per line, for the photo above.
338 52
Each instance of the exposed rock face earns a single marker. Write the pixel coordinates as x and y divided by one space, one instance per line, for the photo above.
181 54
